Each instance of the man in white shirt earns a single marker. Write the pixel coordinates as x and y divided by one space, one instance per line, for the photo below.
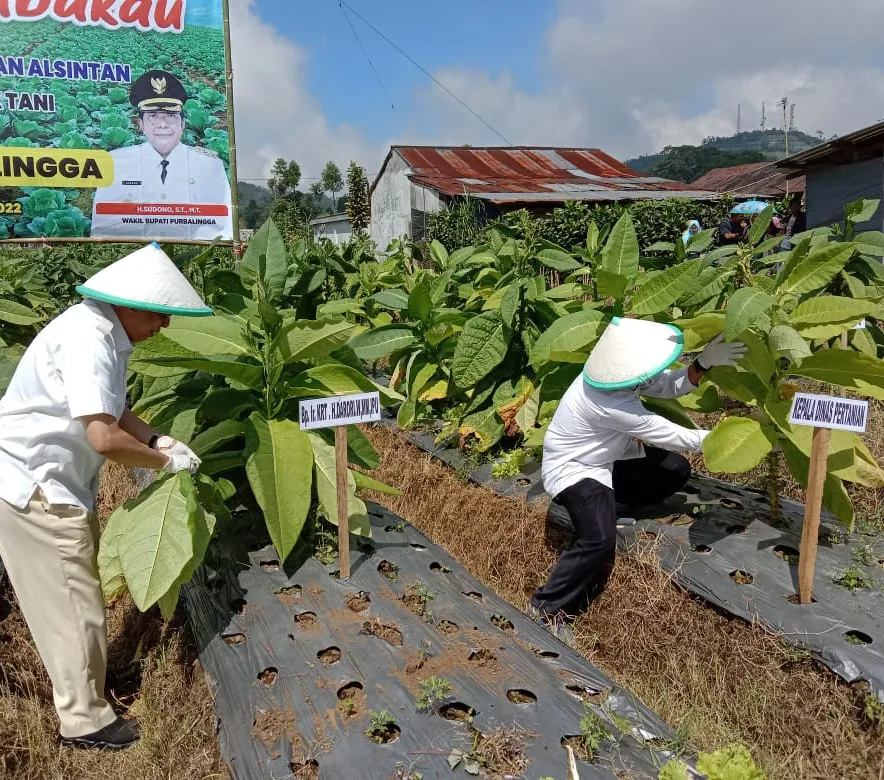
163 187
63 414
594 457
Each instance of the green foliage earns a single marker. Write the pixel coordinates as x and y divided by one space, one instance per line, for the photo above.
689 163
358 204
510 464
460 225
733 762
852 578
593 731
434 690
380 722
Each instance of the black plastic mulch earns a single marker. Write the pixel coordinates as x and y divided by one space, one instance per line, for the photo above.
281 648
717 540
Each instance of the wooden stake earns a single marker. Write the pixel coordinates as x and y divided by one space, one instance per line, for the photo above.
231 133
343 515
816 479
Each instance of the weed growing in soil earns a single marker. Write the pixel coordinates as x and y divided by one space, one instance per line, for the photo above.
381 727
510 464
852 578
865 554
347 707
873 710
434 690
593 731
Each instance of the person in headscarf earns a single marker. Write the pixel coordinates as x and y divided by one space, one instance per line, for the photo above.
62 415
693 227
605 453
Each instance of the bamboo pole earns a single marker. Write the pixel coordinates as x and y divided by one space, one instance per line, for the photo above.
816 479
231 132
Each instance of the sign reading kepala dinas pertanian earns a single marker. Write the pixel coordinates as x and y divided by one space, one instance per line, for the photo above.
824 411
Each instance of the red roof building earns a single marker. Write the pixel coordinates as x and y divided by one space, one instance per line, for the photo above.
753 180
417 180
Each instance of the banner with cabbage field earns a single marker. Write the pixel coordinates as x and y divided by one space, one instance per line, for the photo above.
113 120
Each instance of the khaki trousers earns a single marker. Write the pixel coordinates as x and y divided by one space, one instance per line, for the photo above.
50 553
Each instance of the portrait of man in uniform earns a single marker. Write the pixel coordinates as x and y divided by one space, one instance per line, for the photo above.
163 188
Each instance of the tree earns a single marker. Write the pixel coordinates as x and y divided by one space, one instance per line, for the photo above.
689 163
358 205
317 193
331 179
284 178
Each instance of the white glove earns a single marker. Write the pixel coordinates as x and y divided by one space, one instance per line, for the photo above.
717 353
176 449
177 462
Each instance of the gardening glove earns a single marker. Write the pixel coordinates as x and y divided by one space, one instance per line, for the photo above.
175 449
717 353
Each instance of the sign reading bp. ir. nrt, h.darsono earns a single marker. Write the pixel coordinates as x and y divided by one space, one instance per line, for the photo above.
340 410
113 120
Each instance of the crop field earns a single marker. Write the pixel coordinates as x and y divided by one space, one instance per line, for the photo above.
477 346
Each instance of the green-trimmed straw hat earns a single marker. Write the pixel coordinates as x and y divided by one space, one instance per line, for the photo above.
631 352
146 279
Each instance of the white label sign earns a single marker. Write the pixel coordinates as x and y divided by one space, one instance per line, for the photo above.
340 410
823 411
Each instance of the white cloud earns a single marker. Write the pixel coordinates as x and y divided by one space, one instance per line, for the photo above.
276 116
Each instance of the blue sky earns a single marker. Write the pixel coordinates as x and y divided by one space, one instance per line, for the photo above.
625 76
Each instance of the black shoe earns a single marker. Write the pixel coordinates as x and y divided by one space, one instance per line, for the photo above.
116 736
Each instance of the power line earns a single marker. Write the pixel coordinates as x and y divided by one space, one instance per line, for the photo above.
371 64
426 73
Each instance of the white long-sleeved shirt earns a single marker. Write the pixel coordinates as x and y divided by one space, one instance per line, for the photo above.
593 428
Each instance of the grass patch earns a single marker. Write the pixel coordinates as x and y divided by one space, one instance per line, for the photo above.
722 680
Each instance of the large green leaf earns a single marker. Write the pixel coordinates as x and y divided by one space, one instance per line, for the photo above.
324 463
835 497
861 210
558 260
279 466
225 403
16 314
486 425
737 444
671 410
704 399
826 316
392 299
846 368
240 370
817 269
212 438
700 330
709 283
218 335
303 339
110 567
158 541
746 307
742 385
480 349
220 462
758 358
787 342
870 242
365 482
420 303
621 254
337 379
9 357
267 241
760 225
509 306
660 292
379 342
574 333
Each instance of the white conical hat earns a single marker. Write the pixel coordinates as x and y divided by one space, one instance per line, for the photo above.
631 352
146 279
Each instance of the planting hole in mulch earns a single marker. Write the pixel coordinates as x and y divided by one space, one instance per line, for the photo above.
729 503
691 490
523 482
796 599
351 700
384 733
305 770
457 711
399 529
576 743
474 595
647 536
270 565
589 695
503 623
439 568
521 696
548 654
289 595
269 675
270 726
389 632
788 554
680 520
703 549
737 529
389 570
307 621
416 546
857 637
741 577
482 657
358 602
238 607
234 639
447 627
331 655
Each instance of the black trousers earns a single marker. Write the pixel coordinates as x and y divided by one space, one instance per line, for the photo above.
581 573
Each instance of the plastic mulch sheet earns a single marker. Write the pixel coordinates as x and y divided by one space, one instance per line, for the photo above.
717 540
302 664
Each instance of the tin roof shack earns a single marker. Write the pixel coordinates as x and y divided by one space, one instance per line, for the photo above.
335 227
839 172
415 181
753 180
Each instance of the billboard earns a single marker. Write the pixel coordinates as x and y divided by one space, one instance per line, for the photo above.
113 120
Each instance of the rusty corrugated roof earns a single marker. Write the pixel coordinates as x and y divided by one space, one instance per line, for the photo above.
761 179
525 174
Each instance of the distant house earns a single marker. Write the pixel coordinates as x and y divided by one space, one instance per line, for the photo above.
335 227
753 180
840 171
415 181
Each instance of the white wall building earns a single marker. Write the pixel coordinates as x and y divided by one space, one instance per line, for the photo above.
335 227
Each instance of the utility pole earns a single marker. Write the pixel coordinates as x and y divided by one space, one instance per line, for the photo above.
785 103
739 106
763 115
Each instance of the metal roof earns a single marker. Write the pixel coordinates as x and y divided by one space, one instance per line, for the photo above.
860 144
527 174
761 179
